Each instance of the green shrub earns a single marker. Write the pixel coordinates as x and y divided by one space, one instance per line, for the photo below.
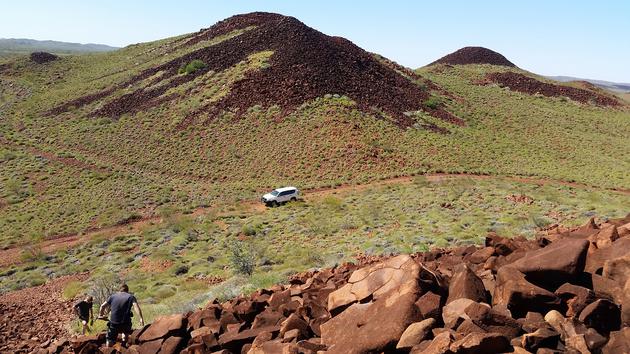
432 103
191 67
242 257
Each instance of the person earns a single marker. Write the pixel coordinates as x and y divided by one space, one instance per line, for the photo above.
120 305
83 309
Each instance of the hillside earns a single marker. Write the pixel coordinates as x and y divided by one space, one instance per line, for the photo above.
13 46
263 100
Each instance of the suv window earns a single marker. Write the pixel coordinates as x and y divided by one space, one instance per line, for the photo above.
287 192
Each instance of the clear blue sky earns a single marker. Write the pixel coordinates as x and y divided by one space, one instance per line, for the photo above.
588 39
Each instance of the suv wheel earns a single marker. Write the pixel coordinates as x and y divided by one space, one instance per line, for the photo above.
274 204
293 199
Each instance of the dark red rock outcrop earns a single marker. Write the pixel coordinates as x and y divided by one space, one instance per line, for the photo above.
399 305
305 64
529 85
474 55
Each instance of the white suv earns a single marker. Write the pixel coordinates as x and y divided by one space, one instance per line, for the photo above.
280 195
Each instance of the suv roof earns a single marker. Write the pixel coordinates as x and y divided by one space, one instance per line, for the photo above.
285 189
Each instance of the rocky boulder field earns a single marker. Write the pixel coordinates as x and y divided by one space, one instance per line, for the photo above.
568 290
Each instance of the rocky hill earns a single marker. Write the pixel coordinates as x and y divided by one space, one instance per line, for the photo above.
305 64
474 55
260 100
566 291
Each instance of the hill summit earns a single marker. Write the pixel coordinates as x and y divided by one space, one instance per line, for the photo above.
304 64
474 55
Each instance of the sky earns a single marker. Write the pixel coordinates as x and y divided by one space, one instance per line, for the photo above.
588 39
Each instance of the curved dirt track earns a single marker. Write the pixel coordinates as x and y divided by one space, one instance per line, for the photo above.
13 255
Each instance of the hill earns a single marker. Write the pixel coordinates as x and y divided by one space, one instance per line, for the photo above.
23 45
474 55
262 100
608 85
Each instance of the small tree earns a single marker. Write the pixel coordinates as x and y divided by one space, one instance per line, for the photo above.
242 257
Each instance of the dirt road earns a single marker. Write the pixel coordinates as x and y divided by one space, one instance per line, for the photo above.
14 255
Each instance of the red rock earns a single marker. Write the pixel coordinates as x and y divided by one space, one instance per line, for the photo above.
162 327
466 284
542 337
171 345
439 345
595 260
605 237
551 266
602 315
278 298
373 326
429 305
617 269
415 333
235 340
481 255
374 281
575 298
519 295
294 322
492 320
481 343
619 342
268 317
150 347
455 312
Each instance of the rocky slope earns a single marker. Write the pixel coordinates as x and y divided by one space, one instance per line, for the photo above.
474 55
305 64
566 291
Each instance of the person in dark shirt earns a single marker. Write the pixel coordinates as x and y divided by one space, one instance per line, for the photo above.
83 309
120 305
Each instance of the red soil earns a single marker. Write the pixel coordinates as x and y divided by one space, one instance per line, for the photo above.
474 55
35 315
521 83
306 64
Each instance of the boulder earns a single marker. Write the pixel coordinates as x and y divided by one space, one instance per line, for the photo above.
374 326
415 333
235 340
481 255
481 343
171 345
617 269
374 281
602 315
618 343
542 337
466 284
576 344
455 312
551 266
595 260
429 305
575 298
439 345
294 322
519 295
604 237
164 326
492 320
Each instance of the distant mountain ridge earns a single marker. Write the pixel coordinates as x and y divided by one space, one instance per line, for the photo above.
612 86
25 45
